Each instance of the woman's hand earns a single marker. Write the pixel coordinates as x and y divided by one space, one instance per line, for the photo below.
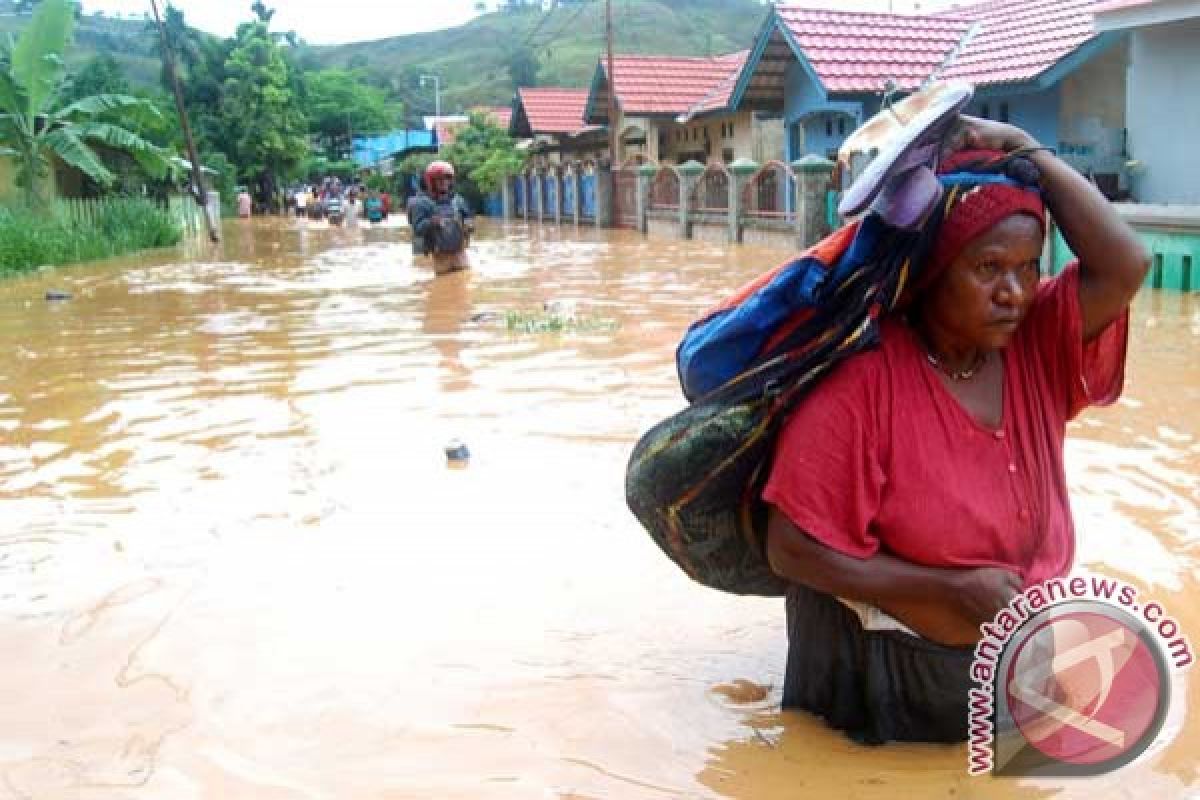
983 591
941 604
973 133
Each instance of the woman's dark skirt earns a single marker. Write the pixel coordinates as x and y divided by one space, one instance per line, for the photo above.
877 686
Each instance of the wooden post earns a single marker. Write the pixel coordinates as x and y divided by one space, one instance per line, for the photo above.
198 192
613 131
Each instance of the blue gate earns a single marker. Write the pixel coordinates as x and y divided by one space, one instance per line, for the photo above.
568 195
550 187
519 195
587 200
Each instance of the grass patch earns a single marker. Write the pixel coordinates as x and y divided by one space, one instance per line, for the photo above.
31 238
554 322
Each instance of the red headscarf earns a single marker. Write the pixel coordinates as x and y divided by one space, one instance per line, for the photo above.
975 210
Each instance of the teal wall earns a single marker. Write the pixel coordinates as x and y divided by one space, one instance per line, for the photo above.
1175 258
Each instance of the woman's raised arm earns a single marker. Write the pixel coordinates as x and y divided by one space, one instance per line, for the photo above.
1112 260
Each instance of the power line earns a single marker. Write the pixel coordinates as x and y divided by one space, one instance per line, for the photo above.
545 15
570 21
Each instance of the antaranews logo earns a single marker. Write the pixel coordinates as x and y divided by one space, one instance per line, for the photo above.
1072 679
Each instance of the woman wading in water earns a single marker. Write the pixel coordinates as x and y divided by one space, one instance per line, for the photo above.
920 486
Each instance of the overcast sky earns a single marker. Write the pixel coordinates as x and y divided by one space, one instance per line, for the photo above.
337 21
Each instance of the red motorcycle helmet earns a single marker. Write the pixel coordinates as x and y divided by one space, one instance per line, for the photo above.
437 169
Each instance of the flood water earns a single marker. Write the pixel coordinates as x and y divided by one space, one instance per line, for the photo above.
235 564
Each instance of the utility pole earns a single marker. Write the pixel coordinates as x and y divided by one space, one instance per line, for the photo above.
198 192
437 105
613 129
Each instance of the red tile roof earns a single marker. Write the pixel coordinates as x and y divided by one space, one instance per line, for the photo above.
858 52
553 110
499 115
1018 40
997 41
673 85
447 130
1118 5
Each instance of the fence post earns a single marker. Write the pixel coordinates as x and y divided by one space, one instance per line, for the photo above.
558 197
604 195
535 196
646 173
812 182
689 173
574 175
741 171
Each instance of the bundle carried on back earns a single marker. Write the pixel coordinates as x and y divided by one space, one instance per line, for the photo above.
695 479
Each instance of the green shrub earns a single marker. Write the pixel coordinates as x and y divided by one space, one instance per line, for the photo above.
70 232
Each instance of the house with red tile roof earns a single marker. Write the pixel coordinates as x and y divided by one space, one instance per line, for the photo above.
551 120
675 109
1162 95
446 128
1039 64
500 116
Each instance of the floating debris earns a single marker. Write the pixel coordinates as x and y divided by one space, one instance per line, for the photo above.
484 316
457 454
551 322
57 294
563 308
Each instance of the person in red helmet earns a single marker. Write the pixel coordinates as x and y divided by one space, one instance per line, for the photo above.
441 220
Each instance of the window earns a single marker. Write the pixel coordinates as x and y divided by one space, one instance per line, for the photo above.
829 127
986 113
727 155
731 130
1004 112
841 126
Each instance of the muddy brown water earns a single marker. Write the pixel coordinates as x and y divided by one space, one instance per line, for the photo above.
234 563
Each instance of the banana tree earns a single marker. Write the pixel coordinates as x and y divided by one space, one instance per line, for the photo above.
37 127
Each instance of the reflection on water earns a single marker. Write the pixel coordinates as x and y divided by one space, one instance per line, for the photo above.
235 563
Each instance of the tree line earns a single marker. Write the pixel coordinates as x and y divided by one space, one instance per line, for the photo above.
262 108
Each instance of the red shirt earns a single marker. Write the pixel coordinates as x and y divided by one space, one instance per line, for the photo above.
880 456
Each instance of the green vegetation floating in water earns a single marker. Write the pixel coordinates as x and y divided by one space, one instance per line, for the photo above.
31 238
554 322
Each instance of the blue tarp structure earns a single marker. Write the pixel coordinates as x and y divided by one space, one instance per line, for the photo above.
370 150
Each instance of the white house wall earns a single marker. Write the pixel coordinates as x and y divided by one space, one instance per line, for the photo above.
1091 116
683 139
1164 112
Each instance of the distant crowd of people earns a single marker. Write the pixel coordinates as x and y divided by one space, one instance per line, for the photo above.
441 219
328 199
338 202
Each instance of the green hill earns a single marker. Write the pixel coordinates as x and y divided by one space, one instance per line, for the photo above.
129 41
471 60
